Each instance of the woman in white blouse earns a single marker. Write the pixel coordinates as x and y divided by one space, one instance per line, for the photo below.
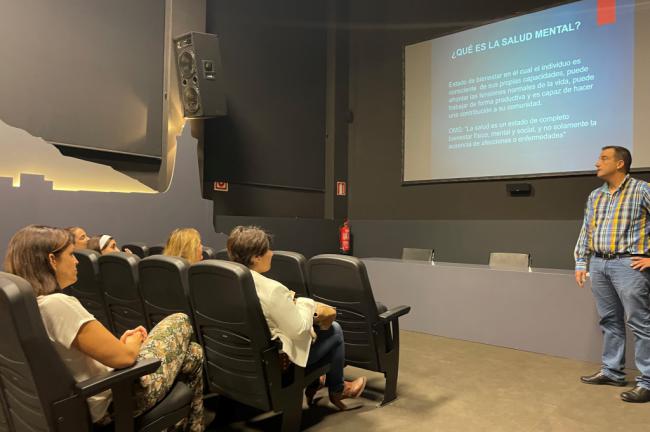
44 257
292 319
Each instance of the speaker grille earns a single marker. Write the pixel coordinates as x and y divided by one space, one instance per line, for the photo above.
186 64
191 99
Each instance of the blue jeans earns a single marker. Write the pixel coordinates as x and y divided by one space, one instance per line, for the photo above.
622 291
329 345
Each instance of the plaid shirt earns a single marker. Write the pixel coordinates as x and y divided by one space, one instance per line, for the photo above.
615 222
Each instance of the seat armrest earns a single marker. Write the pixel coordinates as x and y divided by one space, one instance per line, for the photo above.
98 384
394 313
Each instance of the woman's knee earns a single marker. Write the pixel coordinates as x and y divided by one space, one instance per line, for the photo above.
179 322
337 331
182 319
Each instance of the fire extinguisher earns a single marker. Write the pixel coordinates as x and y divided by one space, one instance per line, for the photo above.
345 237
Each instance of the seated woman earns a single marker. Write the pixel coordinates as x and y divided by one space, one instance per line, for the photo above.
44 257
104 244
185 243
80 237
292 320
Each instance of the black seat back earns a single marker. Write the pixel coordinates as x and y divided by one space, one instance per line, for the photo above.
88 288
288 268
222 254
4 411
342 281
164 287
119 276
33 375
156 250
232 330
209 253
139 249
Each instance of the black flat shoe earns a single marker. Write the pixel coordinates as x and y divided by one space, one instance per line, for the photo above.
601 379
637 395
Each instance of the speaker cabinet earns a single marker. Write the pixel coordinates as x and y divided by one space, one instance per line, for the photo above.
200 75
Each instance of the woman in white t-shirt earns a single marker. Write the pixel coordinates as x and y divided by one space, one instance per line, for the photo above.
44 257
292 319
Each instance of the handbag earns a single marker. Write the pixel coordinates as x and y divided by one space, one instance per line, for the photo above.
324 315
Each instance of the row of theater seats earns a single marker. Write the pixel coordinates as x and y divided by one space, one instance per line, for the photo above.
242 361
143 251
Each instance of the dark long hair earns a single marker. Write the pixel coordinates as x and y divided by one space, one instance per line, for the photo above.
28 255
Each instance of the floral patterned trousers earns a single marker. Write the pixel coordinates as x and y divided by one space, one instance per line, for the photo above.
170 342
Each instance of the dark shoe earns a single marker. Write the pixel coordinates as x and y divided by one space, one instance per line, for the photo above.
638 395
351 390
313 388
601 379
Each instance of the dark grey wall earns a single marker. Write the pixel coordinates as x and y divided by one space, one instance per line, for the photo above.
469 241
462 221
308 236
274 57
286 70
283 145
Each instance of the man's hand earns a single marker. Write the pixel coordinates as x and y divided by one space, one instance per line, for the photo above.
581 277
640 263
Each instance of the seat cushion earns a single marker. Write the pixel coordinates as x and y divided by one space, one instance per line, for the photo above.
174 407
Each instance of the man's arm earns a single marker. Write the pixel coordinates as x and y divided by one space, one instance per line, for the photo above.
581 252
641 263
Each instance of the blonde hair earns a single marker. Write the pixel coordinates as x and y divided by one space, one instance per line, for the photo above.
183 242
28 255
247 242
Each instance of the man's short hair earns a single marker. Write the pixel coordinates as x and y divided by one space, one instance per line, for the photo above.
622 154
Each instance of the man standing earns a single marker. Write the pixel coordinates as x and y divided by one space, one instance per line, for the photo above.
614 239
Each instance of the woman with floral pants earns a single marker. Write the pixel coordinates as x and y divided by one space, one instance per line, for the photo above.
170 342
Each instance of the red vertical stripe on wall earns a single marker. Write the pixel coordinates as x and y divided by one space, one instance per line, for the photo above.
606 12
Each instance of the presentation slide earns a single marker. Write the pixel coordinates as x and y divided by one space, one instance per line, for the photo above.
534 95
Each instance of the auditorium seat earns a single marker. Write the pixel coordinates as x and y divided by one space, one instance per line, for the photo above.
88 288
156 250
209 253
41 394
371 338
288 268
139 249
222 254
242 361
416 254
504 260
119 276
164 287
4 410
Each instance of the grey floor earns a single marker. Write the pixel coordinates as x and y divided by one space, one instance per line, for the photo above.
451 385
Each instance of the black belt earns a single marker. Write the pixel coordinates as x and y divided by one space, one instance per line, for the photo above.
612 255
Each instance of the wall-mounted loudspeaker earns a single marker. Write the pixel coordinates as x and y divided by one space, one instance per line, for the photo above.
200 75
